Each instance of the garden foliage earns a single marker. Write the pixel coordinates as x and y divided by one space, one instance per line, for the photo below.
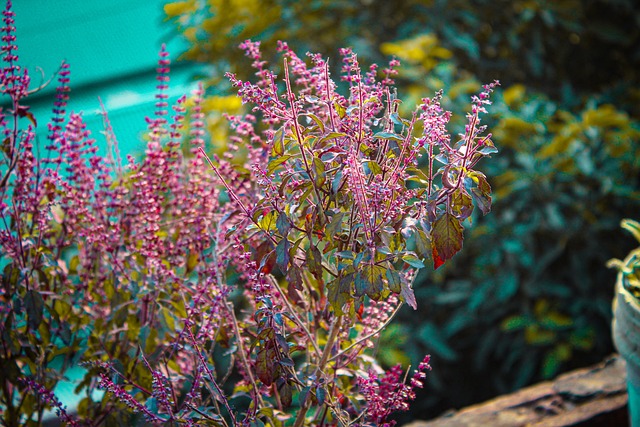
241 290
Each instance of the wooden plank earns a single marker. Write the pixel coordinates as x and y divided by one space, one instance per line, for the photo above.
595 396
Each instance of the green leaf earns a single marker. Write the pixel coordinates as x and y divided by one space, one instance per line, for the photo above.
268 221
508 286
435 342
373 166
275 162
339 292
331 135
304 394
446 238
316 119
278 143
389 135
393 281
337 181
487 147
319 172
282 254
412 260
369 281
515 323
321 395
335 226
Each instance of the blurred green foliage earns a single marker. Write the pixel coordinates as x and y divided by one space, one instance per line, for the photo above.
534 298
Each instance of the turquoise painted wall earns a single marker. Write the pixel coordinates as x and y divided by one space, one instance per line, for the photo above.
112 47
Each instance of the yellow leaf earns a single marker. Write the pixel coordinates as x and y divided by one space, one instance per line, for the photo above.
514 94
534 335
179 8
605 116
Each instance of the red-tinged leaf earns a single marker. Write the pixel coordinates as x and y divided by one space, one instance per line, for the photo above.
481 181
266 257
294 284
314 260
437 261
461 204
446 238
264 367
284 389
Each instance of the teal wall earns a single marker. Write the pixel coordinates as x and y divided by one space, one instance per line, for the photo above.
112 47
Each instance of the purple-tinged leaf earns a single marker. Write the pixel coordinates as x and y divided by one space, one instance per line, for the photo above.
482 200
407 295
286 394
283 224
34 305
461 204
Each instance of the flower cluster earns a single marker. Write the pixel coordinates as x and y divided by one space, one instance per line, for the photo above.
51 400
388 393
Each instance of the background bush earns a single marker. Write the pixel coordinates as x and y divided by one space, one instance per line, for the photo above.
535 300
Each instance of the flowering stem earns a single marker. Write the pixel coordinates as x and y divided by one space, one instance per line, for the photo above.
233 195
294 113
213 380
333 334
292 312
372 334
